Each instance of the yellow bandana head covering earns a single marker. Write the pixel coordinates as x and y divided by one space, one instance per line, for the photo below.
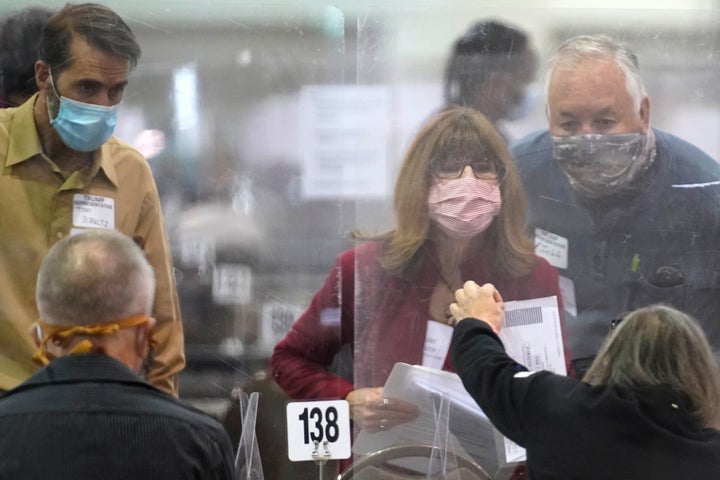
63 334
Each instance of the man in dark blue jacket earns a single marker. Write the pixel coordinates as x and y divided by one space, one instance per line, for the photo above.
628 214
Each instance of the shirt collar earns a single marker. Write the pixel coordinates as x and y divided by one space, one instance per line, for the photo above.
24 143
82 368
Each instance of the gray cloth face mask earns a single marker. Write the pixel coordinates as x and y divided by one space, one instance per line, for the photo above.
600 165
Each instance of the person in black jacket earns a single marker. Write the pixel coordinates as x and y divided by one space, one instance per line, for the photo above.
648 407
88 413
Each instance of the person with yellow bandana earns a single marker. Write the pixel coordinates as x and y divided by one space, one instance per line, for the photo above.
87 413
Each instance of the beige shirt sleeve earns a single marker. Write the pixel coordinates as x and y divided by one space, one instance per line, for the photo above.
149 233
169 357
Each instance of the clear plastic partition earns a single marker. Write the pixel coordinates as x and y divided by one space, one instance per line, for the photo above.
615 251
277 131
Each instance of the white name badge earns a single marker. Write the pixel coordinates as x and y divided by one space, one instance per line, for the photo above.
318 430
92 211
437 343
552 248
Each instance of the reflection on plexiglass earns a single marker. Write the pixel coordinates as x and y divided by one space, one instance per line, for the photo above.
306 177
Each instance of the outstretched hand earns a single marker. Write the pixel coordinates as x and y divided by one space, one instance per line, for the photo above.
484 303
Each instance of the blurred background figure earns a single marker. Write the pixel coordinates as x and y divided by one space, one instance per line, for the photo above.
490 69
19 38
460 215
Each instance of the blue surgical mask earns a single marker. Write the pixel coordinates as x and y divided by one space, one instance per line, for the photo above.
83 126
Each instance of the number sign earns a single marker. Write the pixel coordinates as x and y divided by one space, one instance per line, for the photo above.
323 423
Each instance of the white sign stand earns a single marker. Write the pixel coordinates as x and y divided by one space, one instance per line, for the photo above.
318 431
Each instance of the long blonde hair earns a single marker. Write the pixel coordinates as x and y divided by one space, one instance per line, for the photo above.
457 131
658 345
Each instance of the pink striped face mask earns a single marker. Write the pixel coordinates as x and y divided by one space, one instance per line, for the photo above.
464 207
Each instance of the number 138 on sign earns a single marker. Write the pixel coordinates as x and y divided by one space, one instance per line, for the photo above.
324 422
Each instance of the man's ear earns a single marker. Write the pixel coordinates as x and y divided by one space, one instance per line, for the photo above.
645 112
36 333
42 75
142 339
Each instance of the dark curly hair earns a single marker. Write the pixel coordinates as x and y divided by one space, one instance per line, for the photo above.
19 39
486 47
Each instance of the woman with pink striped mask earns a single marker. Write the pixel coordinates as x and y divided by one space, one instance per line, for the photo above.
465 199
459 215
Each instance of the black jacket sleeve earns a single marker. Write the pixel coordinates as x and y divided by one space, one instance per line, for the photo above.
496 382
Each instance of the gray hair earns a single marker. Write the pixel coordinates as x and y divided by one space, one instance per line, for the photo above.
597 46
658 345
96 276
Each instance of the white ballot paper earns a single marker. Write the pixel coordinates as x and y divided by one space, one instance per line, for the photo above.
531 335
444 406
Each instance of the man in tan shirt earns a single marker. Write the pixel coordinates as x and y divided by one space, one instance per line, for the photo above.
63 172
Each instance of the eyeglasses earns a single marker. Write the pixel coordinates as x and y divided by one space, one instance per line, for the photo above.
615 322
483 170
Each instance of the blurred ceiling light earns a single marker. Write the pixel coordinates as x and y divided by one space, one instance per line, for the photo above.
185 95
243 57
333 22
150 143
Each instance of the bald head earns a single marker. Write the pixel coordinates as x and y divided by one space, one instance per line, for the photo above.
94 277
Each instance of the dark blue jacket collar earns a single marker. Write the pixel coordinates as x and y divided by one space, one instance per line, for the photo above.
82 368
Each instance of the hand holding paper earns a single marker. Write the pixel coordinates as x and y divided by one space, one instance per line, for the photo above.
484 303
371 411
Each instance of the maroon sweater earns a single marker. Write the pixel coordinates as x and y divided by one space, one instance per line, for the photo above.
383 316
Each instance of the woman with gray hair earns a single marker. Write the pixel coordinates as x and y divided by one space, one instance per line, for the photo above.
648 407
